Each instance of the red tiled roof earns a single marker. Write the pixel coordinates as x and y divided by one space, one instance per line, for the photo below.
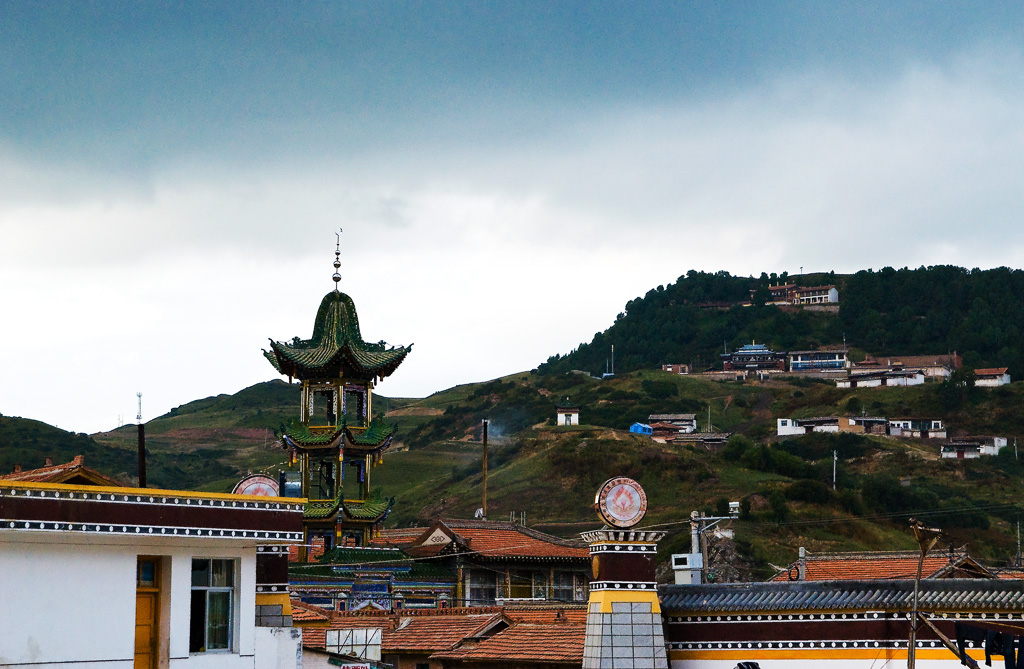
69 472
993 371
434 633
526 643
307 613
397 536
493 539
862 566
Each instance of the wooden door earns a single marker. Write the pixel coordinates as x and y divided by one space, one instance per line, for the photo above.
147 606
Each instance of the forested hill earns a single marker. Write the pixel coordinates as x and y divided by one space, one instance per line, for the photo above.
923 311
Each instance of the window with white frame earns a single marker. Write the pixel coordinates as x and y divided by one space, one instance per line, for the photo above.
211 626
361 642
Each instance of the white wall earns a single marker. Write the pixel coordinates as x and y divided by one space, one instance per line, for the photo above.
72 604
279 648
70 598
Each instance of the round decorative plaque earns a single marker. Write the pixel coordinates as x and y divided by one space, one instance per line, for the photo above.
621 502
257 484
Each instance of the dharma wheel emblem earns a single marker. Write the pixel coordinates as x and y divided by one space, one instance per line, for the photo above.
621 502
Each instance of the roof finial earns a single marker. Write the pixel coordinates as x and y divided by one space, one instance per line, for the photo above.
337 258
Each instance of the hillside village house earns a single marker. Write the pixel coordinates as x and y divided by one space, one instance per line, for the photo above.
961 448
935 367
824 359
888 377
683 422
788 293
116 577
918 428
676 369
995 376
814 295
567 413
858 425
753 357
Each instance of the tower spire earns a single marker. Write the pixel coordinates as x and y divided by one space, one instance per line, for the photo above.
337 258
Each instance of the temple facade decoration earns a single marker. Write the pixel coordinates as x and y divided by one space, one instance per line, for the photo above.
336 442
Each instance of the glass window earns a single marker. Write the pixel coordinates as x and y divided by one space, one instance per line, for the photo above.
212 612
482 588
562 586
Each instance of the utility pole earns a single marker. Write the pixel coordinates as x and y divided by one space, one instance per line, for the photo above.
485 468
835 459
926 539
142 445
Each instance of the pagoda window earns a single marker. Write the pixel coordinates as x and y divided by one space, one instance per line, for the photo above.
323 407
322 478
355 406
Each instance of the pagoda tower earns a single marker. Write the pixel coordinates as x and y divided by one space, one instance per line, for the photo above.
335 443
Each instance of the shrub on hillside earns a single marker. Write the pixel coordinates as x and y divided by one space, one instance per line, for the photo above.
810 491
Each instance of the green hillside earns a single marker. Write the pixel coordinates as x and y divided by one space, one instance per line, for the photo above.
924 311
549 474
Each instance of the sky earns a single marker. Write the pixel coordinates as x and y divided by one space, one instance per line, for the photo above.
507 174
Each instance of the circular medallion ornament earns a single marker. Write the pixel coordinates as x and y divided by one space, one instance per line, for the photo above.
621 502
257 484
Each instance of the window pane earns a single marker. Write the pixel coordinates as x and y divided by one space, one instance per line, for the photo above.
219 620
223 573
197 623
200 573
147 573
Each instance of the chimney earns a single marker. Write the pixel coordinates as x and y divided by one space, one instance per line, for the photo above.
17 469
48 462
78 461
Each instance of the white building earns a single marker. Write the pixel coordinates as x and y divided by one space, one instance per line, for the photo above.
132 578
995 376
972 447
567 414
919 428
892 377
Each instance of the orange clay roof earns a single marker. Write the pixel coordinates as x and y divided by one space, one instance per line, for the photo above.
397 536
993 371
69 472
526 643
433 633
303 613
497 540
425 631
893 566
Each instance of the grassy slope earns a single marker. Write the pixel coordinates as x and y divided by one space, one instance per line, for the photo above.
550 473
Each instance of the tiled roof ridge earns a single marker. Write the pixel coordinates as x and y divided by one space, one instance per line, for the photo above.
959 553
455 524
78 462
991 370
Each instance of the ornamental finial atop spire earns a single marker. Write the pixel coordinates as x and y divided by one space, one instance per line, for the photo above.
337 258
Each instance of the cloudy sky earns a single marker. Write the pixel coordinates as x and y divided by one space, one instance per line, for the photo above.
507 174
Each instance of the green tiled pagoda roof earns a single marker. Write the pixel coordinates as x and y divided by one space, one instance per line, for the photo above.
368 510
376 434
336 348
301 435
371 509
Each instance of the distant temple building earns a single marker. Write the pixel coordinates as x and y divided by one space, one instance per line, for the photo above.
567 413
335 443
753 357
